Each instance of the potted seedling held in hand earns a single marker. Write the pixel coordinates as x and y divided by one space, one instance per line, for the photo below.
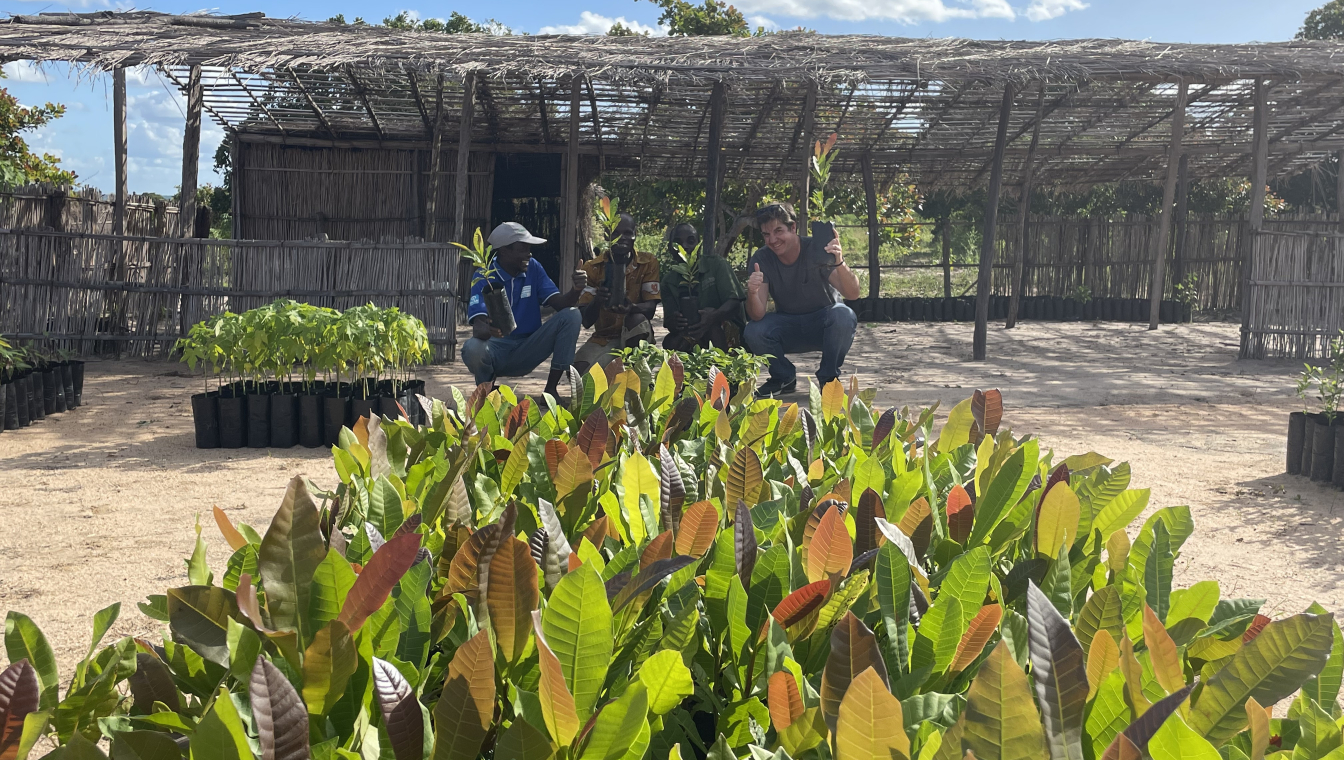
495 298
618 251
821 208
688 294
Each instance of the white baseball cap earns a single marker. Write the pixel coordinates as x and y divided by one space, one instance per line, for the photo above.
509 233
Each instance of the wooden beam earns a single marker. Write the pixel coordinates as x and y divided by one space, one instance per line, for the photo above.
915 89
945 224
321 117
119 149
1182 216
807 125
435 161
363 95
1016 284
1158 284
654 99
191 153
569 220
718 103
761 117
420 103
1255 213
543 109
462 186
987 243
1339 190
801 126
874 230
597 124
256 102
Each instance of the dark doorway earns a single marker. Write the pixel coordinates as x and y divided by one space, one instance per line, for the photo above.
527 191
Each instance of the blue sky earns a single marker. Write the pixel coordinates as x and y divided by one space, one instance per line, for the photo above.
83 138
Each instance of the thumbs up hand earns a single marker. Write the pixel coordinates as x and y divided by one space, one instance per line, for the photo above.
756 281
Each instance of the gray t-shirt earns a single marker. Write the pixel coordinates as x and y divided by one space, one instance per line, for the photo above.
803 286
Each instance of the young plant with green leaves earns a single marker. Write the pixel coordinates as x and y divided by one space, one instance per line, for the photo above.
482 258
663 569
1326 380
822 207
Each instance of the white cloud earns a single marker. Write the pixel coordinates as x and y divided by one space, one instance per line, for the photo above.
595 23
25 71
1044 10
769 25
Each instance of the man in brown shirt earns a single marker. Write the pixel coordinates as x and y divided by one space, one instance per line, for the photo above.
618 325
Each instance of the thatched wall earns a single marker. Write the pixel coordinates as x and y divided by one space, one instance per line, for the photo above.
1297 295
84 210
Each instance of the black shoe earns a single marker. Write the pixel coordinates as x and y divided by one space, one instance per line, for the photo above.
772 388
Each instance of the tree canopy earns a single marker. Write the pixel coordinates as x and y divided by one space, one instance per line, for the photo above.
1324 23
713 18
18 163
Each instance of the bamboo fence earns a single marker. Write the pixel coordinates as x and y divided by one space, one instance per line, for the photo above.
1296 304
85 210
136 296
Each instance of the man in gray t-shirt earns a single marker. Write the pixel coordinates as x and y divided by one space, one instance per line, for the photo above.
807 279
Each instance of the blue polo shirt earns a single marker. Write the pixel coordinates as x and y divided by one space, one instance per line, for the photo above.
527 292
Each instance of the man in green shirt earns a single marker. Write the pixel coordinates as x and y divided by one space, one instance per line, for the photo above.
719 298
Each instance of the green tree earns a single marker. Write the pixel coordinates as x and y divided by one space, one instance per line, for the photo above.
456 24
1324 23
621 30
18 163
713 18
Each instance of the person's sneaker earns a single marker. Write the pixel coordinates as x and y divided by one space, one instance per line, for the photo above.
772 388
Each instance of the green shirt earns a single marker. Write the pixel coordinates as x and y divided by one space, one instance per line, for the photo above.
718 285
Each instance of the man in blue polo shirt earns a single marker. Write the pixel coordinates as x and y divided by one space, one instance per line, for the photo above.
489 353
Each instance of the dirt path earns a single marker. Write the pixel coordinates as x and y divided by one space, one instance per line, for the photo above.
97 505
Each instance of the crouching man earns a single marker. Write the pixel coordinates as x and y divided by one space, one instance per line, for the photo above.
490 354
620 299
806 278
718 299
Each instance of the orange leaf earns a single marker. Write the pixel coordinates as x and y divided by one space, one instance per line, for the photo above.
598 531
1257 625
960 514
512 595
464 572
1122 749
231 534
592 437
831 551
1103 657
744 479
574 562
823 506
466 708
919 509
699 527
797 606
659 548
557 704
976 637
371 588
786 704
853 650
843 491
1162 652
556 450
718 390
575 471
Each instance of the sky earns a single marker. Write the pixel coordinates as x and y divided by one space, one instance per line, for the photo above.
82 139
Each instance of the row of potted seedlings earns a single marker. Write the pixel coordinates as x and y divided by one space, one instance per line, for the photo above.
1316 438
291 374
1045 308
35 383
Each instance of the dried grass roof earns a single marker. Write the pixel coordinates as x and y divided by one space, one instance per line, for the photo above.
923 107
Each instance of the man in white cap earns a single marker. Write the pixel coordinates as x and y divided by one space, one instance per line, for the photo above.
490 354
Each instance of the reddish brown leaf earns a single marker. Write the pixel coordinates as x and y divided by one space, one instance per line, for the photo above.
598 531
672 491
814 519
511 596
378 579
977 635
279 714
556 450
19 695
1122 749
466 707
853 650
866 535
678 372
231 534
1257 625
987 409
659 548
401 711
593 434
517 419
843 490
960 514
796 607
918 510
613 369
885 424
463 573
718 389
831 550
786 704
699 527
477 399
574 562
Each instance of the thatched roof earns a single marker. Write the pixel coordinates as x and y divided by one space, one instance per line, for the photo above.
926 107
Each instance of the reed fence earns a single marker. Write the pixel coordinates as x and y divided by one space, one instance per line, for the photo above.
97 294
1296 304
85 210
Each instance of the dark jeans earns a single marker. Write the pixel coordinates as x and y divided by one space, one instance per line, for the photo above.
829 330
514 357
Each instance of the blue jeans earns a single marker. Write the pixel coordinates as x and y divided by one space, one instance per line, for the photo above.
517 356
829 330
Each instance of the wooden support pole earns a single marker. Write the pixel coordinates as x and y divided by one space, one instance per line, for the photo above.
119 149
1255 213
718 102
569 202
809 123
1159 281
435 161
462 187
1339 192
1182 217
947 260
1018 280
988 239
191 153
874 231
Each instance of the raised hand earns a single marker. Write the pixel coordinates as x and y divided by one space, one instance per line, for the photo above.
580 279
756 281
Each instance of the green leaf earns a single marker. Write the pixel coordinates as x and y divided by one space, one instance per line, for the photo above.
1001 719
1104 611
328 664
1320 735
1177 741
220 734
332 581
199 617
1003 492
667 679
1059 669
144 745
619 726
1108 714
198 567
958 601
244 646
577 625
870 725
1057 584
290 553
1197 602
1272 666
24 641
1324 687
523 742
1157 572
1120 512
1179 524
893 598
102 622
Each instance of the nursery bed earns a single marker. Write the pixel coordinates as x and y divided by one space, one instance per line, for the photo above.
99 504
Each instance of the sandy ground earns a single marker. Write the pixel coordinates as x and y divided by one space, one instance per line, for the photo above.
97 505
